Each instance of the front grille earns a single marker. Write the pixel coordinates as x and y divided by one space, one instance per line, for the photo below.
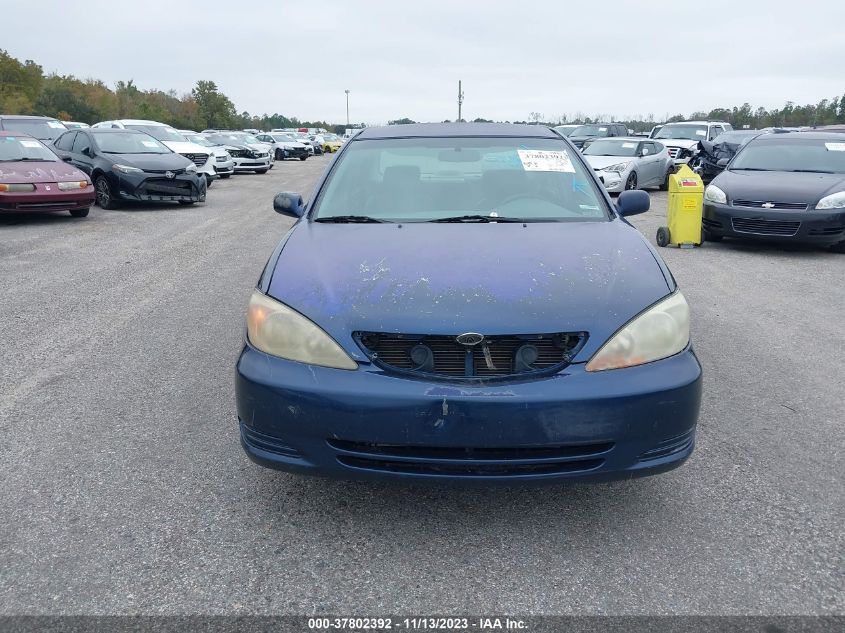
163 187
198 159
46 206
496 357
783 206
765 227
493 461
239 153
674 152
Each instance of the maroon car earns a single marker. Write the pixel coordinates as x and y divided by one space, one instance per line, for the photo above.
34 179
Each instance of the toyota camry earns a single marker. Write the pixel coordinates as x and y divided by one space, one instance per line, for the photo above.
465 302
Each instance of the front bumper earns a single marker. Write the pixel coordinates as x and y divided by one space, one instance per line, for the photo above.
365 424
43 200
294 152
224 167
811 227
614 182
158 188
251 164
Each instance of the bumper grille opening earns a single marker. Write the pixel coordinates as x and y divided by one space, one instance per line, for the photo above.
669 446
783 206
765 227
515 356
471 470
197 159
267 443
472 454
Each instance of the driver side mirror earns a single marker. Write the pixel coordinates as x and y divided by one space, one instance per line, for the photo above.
633 202
289 203
68 159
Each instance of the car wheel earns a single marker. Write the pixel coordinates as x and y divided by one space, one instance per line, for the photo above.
225 175
710 237
839 247
80 213
663 237
631 183
664 186
302 157
261 171
105 196
208 181
280 155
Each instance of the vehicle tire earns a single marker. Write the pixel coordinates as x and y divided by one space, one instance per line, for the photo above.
105 196
710 237
631 183
839 247
208 181
663 237
302 157
280 155
80 213
664 186
262 171
187 202
225 175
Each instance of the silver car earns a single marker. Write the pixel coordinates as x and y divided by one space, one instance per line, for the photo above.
630 162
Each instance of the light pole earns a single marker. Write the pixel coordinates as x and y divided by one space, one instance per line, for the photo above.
347 107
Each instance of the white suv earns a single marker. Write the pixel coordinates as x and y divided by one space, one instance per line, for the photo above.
681 138
201 156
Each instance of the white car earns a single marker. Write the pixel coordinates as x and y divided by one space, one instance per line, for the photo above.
224 164
248 155
199 155
682 138
284 145
625 163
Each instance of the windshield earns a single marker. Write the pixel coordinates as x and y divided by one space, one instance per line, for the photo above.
566 130
331 137
735 138
686 132
283 138
792 155
428 179
589 130
43 129
199 140
612 147
160 132
14 148
129 143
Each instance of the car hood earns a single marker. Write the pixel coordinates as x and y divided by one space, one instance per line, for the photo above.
678 142
151 161
186 147
42 171
600 162
778 186
292 145
430 278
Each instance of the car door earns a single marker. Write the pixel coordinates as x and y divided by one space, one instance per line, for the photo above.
647 163
82 153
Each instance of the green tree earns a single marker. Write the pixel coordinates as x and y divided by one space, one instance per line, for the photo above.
215 108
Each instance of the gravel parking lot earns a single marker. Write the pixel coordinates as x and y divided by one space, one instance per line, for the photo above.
124 488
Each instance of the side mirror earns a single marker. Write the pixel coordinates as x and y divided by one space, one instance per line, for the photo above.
633 202
68 159
289 203
722 163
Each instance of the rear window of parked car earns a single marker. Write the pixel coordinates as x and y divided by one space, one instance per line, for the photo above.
43 129
15 148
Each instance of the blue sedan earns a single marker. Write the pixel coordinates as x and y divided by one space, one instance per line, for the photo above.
464 302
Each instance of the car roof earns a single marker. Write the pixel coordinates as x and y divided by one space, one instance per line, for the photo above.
633 139
28 116
110 130
13 133
435 130
696 123
807 136
137 122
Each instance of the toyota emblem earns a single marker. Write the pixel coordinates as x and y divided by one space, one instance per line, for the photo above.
469 339
169 174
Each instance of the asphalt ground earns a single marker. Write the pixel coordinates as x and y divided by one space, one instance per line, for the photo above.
124 488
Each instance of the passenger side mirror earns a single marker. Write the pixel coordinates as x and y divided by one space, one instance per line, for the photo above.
289 203
723 162
633 202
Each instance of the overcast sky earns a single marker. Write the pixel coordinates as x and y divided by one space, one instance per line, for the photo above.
401 58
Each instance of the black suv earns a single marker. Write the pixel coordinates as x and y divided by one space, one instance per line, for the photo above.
589 131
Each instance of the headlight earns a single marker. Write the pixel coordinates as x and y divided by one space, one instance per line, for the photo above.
618 167
17 187
713 194
76 184
833 201
280 331
191 169
126 169
659 332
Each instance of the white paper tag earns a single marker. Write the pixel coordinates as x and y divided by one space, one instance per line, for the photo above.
26 143
602 129
543 160
149 143
701 133
835 147
56 125
629 145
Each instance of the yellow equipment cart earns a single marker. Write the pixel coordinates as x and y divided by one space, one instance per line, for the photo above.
686 202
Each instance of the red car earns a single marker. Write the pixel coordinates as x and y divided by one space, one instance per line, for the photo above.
34 179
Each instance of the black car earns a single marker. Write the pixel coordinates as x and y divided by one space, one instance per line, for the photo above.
722 148
785 187
131 165
590 131
46 129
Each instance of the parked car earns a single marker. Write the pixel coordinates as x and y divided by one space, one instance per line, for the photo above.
328 142
126 164
197 154
43 128
784 187
707 160
247 156
284 145
224 164
567 129
75 125
682 138
314 149
34 179
583 133
626 163
379 345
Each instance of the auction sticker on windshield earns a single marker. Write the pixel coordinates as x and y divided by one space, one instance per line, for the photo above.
30 143
543 160
835 147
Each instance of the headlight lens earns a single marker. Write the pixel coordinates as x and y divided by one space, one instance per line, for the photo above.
618 167
191 169
280 331
713 194
833 201
76 184
17 187
126 169
659 332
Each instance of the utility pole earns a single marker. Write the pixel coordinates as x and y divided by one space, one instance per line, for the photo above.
347 107
460 100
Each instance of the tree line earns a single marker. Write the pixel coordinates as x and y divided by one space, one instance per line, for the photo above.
25 89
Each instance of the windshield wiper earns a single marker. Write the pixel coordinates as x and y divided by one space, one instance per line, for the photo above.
750 169
811 171
22 160
350 219
476 218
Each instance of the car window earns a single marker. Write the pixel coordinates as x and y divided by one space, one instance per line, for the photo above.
15 148
649 149
685 131
81 143
42 129
425 179
65 141
771 153
658 147
611 147
715 130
